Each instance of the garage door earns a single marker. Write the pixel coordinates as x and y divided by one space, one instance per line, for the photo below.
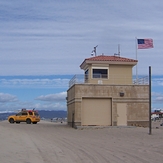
96 111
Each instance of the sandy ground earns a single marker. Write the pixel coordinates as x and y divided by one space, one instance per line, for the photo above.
49 142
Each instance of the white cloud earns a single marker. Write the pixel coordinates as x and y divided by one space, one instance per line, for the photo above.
157 99
5 98
157 81
55 37
42 105
51 106
53 97
35 83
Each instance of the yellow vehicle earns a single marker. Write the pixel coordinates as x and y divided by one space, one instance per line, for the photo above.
28 116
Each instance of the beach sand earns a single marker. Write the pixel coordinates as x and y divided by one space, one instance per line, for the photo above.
49 142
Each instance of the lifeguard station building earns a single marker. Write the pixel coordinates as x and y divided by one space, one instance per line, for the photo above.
107 95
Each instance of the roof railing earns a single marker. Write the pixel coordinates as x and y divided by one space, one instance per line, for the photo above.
84 79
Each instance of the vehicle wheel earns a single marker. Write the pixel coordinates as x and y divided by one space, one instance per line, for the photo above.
11 120
28 121
34 122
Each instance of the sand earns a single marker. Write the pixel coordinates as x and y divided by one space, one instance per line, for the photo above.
49 142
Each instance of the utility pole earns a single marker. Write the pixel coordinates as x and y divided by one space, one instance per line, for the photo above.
150 127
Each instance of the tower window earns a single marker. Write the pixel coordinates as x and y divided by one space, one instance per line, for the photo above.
100 73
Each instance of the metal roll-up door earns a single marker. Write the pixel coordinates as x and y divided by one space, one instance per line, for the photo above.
96 111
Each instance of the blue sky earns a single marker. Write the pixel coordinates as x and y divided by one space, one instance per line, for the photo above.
40 92
43 43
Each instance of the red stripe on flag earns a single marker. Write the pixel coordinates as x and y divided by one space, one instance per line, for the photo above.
147 43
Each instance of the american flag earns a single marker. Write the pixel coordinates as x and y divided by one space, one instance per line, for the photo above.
145 43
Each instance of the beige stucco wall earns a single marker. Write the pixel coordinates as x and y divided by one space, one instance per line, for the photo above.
120 74
117 74
136 98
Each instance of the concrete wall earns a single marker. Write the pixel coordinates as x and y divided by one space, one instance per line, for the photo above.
136 100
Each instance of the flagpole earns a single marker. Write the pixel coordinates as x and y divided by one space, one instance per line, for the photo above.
136 59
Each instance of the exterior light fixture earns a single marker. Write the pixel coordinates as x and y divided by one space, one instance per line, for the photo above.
121 94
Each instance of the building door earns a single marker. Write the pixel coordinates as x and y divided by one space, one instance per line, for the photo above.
96 111
121 114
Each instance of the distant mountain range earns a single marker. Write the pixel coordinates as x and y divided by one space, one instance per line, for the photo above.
43 114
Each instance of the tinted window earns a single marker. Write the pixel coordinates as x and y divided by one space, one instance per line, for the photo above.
19 114
24 113
100 73
30 113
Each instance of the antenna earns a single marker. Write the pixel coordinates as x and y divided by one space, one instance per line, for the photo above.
94 51
118 51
